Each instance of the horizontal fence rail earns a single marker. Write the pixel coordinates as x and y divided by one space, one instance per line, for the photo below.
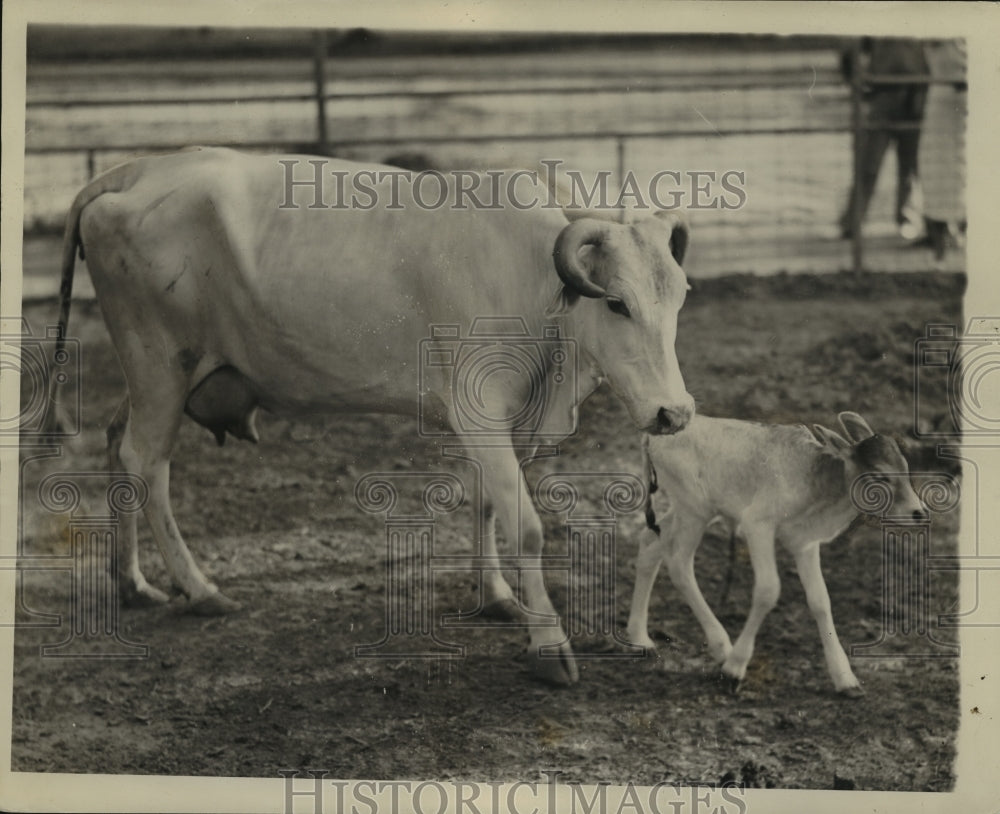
518 108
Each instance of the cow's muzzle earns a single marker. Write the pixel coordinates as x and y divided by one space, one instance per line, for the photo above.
672 420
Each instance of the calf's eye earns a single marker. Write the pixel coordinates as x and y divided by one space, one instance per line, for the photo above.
619 307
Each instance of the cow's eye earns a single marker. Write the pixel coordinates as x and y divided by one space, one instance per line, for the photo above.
619 307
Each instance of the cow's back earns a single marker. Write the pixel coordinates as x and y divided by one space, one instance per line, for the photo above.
207 253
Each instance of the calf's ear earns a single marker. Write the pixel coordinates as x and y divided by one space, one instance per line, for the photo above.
855 426
830 438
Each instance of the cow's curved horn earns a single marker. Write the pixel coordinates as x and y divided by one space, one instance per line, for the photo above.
565 255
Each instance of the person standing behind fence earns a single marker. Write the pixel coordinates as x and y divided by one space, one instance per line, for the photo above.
942 151
887 105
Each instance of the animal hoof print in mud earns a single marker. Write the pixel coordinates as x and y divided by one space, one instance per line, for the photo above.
555 669
217 604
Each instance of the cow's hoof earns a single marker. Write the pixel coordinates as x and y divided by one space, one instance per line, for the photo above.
853 693
556 669
641 640
217 604
729 684
142 596
503 610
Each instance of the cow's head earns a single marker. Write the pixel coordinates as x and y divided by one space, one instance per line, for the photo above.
632 279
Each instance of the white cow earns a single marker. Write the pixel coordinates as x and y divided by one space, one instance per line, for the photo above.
221 298
768 483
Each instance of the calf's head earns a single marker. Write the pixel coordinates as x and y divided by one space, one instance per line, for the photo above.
633 285
879 464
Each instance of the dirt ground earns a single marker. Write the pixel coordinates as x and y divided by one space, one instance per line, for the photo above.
277 685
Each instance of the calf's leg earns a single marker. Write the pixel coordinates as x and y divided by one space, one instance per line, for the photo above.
810 572
766 589
685 536
647 564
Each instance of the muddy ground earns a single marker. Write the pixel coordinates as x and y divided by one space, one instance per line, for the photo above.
277 685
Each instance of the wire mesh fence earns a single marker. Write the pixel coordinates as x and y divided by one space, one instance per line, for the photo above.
784 153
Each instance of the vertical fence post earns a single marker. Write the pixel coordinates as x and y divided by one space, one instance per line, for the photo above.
858 124
620 155
319 77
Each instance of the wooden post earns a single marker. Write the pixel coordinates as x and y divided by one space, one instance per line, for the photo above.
620 151
319 77
858 125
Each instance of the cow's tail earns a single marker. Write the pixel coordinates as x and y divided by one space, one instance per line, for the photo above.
114 180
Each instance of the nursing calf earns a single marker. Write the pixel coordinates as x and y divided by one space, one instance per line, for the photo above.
771 483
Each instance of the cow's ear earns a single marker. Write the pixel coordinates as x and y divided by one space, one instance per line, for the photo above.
564 299
680 234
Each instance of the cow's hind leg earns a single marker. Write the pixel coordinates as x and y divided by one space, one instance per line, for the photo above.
133 590
145 450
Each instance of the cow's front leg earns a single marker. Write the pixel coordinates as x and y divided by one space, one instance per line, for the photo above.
499 601
549 651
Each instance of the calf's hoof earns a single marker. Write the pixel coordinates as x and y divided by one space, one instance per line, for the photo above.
558 669
217 604
141 596
729 684
853 692
640 638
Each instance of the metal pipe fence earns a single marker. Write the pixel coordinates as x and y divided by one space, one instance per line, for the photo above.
835 111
